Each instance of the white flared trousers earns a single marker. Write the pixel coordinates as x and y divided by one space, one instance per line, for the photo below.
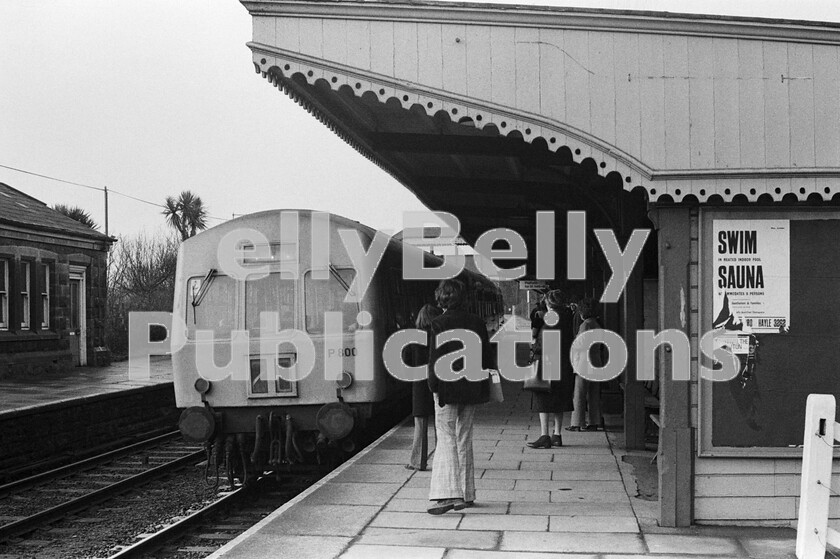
453 471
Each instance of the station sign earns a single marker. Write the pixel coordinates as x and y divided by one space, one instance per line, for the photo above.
537 285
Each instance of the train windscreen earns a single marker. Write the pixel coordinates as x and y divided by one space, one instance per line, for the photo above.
215 311
271 293
328 296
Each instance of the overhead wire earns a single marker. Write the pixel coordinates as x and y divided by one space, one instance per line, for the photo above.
99 188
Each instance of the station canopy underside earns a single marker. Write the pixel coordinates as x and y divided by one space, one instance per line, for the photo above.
484 178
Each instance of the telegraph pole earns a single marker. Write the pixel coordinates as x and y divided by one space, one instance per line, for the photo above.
106 210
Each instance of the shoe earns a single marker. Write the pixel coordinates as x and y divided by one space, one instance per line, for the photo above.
464 505
444 505
572 428
543 442
556 440
590 428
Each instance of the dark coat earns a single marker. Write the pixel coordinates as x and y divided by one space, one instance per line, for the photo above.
422 403
461 391
560 398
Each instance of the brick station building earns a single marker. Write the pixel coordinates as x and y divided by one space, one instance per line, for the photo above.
53 288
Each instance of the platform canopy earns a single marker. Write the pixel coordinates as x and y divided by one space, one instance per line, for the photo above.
492 112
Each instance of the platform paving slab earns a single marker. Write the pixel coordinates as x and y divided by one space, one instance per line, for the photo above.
469 539
322 520
767 548
422 520
572 542
471 554
353 493
389 551
700 545
593 524
374 473
278 546
501 522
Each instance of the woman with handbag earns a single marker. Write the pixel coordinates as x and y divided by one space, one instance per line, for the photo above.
553 400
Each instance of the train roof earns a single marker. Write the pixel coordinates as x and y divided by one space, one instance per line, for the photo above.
335 219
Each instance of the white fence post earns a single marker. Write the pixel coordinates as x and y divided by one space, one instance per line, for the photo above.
812 533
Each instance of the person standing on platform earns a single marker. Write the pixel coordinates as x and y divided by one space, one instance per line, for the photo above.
453 477
422 404
587 393
552 404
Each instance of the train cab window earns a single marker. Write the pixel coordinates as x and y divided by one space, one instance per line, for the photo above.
216 309
328 296
272 294
280 387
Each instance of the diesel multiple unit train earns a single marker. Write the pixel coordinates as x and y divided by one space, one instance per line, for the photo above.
283 277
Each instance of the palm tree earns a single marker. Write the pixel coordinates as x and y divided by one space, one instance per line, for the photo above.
77 214
186 214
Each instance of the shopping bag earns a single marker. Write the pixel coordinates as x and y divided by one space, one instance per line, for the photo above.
496 394
535 382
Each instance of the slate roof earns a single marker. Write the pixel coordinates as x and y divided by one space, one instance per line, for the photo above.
23 210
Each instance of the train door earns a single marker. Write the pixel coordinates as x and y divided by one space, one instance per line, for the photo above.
78 316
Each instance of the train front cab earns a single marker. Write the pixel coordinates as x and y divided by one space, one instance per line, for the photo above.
313 409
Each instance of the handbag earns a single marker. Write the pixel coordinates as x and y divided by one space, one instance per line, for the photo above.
535 383
496 394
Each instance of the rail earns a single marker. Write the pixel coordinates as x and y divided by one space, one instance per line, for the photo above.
33 521
93 461
812 532
154 541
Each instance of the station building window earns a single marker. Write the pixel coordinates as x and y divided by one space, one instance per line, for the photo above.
25 289
45 296
4 294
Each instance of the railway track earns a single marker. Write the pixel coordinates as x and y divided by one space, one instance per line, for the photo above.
33 505
204 531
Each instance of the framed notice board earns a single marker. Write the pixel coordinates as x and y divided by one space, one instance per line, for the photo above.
770 289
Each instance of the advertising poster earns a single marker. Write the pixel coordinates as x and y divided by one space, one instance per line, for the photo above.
751 275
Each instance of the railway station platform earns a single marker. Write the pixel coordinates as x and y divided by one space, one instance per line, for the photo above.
20 394
578 501
49 419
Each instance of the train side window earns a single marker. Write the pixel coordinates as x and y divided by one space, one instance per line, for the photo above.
328 296
216 311
272 294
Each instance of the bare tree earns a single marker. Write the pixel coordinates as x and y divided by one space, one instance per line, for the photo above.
141 277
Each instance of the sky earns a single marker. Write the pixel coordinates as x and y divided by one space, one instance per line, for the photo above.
153 97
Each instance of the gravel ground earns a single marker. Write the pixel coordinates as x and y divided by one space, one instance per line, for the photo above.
40 498
95 532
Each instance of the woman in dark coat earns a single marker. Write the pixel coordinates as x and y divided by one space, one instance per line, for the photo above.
422 405
559 399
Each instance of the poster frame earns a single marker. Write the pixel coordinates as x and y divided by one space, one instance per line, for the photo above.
705 404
